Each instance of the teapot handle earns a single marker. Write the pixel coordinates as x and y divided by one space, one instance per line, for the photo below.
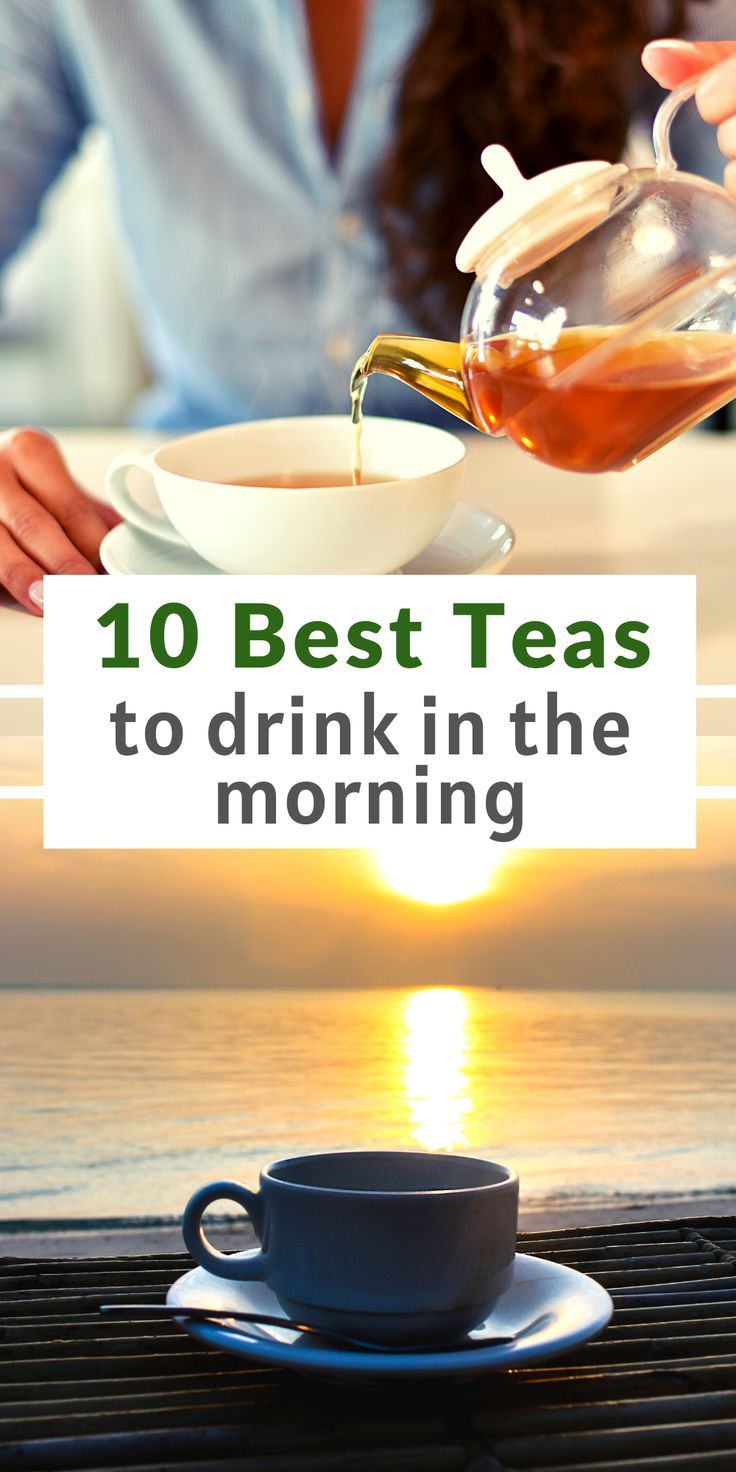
663 154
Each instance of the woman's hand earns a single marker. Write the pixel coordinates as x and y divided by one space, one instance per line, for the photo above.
673 62
47 523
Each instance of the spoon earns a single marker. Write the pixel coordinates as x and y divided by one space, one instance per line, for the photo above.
331 1336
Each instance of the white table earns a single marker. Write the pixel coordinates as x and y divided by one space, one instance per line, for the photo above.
674 513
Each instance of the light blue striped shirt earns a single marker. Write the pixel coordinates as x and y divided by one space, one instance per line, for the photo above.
255 262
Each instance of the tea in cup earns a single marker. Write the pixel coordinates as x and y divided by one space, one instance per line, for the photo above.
390 1247
276 496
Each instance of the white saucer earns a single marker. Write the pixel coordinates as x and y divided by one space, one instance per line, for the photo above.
549 1307
471 539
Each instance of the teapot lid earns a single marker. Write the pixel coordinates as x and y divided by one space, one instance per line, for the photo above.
535 217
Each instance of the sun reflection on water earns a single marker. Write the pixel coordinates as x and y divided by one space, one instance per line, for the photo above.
436 1038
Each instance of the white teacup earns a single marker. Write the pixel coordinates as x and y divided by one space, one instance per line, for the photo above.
246 528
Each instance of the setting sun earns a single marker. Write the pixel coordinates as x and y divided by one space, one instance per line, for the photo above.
435 874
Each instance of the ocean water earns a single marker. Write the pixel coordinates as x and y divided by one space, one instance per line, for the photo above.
119 1104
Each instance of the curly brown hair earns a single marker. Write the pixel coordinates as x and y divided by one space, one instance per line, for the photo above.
551 79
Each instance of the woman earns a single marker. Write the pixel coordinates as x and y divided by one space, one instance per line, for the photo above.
294 177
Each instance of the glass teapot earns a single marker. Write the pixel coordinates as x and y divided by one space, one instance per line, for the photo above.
602 319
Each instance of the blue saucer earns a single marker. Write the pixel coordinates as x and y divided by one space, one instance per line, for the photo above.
549 1307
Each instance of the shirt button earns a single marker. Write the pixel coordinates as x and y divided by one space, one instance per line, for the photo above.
338 348
348 225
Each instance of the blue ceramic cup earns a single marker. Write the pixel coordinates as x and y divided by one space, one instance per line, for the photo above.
391 1246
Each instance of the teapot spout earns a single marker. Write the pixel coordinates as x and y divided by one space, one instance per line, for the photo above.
432 367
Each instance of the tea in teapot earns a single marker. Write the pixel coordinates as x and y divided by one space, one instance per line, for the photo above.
603 418
602 320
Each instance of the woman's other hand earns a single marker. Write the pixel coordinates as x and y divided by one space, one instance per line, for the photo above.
47 523
673 62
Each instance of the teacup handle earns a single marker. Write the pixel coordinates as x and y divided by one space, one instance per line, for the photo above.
222 1264
127 506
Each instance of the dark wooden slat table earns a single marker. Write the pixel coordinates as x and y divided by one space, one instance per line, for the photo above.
655 1393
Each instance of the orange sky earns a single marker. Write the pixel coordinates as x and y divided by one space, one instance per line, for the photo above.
549 919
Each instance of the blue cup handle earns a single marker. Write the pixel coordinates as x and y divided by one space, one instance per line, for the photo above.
222 1264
